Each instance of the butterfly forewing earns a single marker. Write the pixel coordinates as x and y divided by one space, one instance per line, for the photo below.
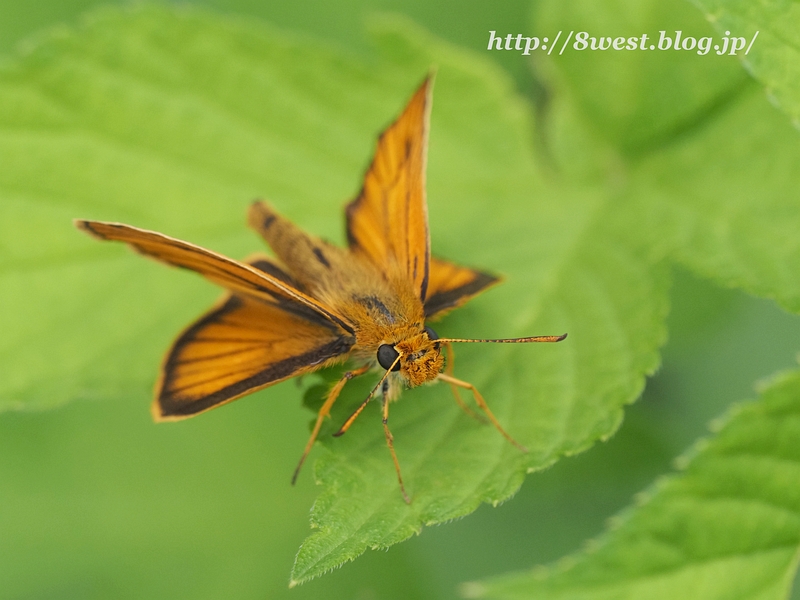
237 348
388 221
263 333
231 274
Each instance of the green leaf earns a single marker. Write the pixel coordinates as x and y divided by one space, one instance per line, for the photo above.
768 34
729 210
727 526
636 99
713 188
97 502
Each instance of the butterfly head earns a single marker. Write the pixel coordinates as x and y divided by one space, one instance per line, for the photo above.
417 357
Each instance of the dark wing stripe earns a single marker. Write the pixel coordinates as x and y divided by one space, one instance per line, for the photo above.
308 314
388 220
270 268
271 374
442 301
301 310
169 406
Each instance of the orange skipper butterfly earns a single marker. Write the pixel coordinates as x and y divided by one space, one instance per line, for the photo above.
317 304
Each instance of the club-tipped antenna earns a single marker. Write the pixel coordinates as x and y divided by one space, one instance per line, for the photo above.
522 340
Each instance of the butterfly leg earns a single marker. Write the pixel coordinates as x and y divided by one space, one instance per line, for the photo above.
449 365
390 441
324 411
482 403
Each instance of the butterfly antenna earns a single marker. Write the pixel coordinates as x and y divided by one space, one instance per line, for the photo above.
523 340
361 407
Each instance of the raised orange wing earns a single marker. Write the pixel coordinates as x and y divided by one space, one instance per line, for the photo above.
236 276
388 221
239 347
451 286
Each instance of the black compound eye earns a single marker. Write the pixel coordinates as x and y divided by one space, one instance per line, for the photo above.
386 356
432 335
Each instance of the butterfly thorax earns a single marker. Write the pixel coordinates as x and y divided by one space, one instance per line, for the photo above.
381 304
393 316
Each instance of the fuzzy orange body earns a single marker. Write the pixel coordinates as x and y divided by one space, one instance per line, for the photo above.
381 305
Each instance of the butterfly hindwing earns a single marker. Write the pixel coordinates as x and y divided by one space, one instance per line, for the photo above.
388 221
451 285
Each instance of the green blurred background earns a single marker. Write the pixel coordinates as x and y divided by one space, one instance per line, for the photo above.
74 491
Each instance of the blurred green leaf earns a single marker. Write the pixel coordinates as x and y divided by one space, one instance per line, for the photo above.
728 526
718 194
99 503
722 200
714 189
770 44
175 120
636 99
